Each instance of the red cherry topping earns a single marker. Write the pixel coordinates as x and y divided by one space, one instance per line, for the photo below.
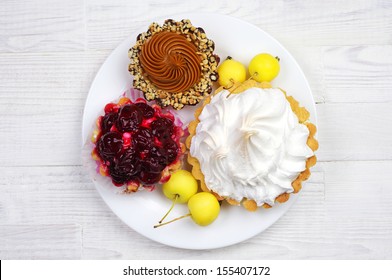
108 121
126 167
149 178
147 110
142 139
109 145
162 128
129 118
171 149
138 142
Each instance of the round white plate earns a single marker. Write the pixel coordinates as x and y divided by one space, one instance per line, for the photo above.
142 210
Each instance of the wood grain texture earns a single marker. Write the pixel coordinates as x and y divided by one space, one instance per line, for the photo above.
50 52
303 23
56 76
42 100
354 131
30 26
40 241
35 125
325 22
363 74
309 58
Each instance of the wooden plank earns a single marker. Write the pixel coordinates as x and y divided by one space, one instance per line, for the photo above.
364 188
40 241
309 58
55 76
359 131
42 99
42 26
358 73
41 132
358 199
109 23
321 23
50 195
315 23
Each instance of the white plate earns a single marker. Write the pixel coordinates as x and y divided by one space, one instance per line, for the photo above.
142 210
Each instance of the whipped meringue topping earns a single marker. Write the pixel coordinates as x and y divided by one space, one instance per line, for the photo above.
250 145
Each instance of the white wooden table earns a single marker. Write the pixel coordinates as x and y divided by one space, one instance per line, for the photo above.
51 50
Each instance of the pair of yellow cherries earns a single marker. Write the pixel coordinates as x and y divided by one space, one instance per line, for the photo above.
262 68
182 188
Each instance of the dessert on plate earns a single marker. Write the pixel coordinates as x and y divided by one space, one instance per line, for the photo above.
137 144
173 64
252 146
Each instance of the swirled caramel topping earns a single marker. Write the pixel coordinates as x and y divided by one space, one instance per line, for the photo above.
170 62
177 69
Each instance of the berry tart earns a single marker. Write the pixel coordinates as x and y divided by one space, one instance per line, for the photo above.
252 146
174 64
137 144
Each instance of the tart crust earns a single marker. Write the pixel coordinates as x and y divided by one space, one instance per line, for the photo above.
303 117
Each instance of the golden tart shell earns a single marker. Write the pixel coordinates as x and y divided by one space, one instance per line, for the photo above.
303 117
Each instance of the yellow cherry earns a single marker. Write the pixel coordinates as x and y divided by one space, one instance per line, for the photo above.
231 71
264 67
180 187
204 208
181 184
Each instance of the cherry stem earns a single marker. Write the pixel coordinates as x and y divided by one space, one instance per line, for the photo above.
231 91
171 208
232 82
176 219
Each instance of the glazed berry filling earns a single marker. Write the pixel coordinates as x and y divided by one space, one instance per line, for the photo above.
162 128
110 145
126 167
143 139
171 149
147 110
107 122
129 118
149 178
137 142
